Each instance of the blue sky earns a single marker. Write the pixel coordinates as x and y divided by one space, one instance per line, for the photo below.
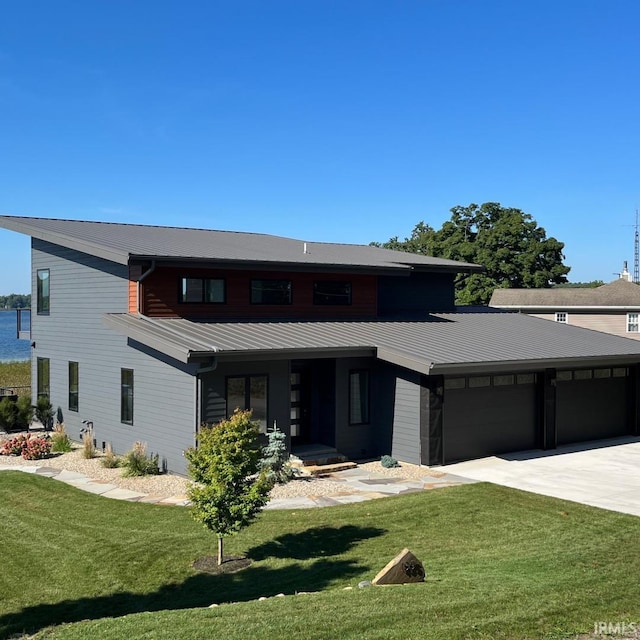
345 121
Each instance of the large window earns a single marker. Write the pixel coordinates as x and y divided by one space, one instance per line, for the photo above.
632 323
42 365
332 292
201 290
271 292
73 386
249 392
43 292
126 396
359 397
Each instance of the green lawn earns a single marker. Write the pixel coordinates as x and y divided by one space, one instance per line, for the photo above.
500 564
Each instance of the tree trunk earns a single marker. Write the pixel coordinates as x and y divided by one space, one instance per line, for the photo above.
220 550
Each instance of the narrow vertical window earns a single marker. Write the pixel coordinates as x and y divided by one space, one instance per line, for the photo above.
126 396
43 377
73 386
632 323
42 292
359 397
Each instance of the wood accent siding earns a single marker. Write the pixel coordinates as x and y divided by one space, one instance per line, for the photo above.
135 271
160 295
614 323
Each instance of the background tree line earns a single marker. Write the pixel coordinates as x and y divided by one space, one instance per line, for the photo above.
507 242
15 301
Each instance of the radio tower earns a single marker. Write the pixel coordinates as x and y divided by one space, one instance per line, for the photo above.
636 254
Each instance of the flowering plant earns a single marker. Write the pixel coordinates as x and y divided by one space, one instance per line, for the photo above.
29 447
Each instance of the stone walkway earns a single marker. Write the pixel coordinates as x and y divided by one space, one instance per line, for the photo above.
359 485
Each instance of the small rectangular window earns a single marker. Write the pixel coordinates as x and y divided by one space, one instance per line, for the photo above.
583 374
564 376
619 372
479 381
526 378
126 396
561 316
632 323
43 377
332 292
359 397
271 292
201 290
43 297
503 381
249 392
602 373
455 383
73 386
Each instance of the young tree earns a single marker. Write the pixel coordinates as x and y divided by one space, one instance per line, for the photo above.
275 457
230 491
514 250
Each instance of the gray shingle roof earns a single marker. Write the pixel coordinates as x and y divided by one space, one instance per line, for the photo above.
620 293
122 242
442 343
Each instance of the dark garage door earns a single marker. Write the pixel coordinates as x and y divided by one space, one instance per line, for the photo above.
591 404
489 415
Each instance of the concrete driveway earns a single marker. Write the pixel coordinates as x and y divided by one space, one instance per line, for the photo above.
603 473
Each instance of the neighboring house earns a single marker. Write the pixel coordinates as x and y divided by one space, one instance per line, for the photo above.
612 308
147 332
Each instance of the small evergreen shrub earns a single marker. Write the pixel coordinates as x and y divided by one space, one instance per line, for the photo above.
15 415
138 463
110 460
275 457
59 416
388 462
60 441
44 412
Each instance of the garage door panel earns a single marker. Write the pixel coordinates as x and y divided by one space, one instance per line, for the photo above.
489 420
591 409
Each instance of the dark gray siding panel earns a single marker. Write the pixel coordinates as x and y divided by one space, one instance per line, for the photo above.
83 288
488 421
418 293
406 421
591 409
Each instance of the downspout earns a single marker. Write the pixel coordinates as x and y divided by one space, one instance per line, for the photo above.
148 272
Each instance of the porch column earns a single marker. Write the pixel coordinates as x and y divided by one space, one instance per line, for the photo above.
431 420
633 400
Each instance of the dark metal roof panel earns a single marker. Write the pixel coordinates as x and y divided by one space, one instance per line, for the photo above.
440 342
120 242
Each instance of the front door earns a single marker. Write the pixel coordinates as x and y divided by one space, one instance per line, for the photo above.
300 404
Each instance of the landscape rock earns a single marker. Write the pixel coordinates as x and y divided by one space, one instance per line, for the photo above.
404 568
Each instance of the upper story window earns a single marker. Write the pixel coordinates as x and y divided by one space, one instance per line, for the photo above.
561 316
201 290
632 323
271 292
332 292
42 292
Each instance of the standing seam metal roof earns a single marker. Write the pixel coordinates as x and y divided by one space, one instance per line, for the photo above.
439 342
121 242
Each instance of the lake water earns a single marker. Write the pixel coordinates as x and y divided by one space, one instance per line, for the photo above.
10 347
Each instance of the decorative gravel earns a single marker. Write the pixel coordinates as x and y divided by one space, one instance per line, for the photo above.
174 485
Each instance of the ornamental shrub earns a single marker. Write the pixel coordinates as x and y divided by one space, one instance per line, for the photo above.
110 460
138 463
29 447
14 446
44 412
388 462
60 441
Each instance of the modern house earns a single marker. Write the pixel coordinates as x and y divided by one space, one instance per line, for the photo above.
612 308
147 332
